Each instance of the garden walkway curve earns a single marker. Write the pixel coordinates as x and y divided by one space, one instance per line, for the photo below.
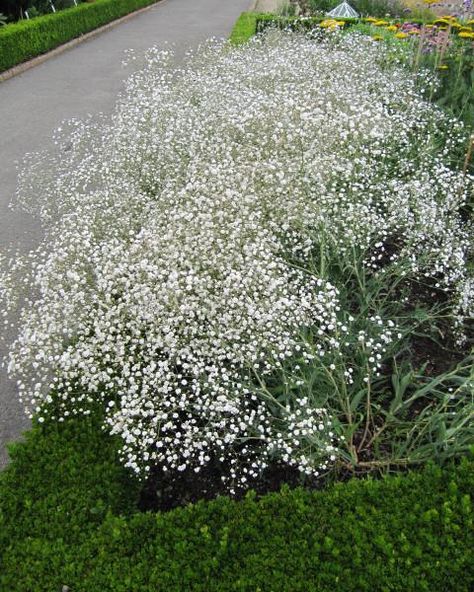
85 79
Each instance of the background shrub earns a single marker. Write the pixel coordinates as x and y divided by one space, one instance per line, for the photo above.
14 9
376 8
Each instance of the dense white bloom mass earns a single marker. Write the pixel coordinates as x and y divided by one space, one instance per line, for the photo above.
178 234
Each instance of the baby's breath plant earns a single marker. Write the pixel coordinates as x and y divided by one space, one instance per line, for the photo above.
195 241
396 405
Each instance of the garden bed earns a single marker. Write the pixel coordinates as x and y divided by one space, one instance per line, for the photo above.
256 273
444 46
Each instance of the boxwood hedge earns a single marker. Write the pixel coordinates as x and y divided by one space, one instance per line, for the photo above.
27 39
68 517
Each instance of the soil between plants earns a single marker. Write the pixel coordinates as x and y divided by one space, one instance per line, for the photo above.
164 491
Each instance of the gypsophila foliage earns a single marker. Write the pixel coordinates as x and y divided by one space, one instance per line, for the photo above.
174 270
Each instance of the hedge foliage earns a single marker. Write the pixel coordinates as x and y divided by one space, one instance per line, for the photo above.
24 40
68 517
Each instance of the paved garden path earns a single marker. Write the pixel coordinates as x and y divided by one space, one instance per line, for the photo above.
85 79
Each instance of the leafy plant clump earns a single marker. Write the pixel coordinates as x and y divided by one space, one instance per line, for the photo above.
235 265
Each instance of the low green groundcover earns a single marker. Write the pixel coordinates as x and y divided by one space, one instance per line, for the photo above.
24 40
68 518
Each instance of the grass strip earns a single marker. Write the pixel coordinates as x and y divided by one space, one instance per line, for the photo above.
245 28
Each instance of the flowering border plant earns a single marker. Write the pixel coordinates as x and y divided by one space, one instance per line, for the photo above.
191 241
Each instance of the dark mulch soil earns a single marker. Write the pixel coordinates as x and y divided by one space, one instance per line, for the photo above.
434 357
164 491
434 347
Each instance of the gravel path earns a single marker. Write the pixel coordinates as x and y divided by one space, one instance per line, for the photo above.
85 79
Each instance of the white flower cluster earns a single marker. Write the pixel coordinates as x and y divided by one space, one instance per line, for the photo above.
374 347
178 234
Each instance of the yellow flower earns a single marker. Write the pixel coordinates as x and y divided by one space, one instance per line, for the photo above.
330 24
443 67
370 19
466 35
381 23
377 37
442 21
391 28
401 35
465 30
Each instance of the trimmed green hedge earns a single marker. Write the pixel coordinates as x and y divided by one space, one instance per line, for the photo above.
24 40
68 517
